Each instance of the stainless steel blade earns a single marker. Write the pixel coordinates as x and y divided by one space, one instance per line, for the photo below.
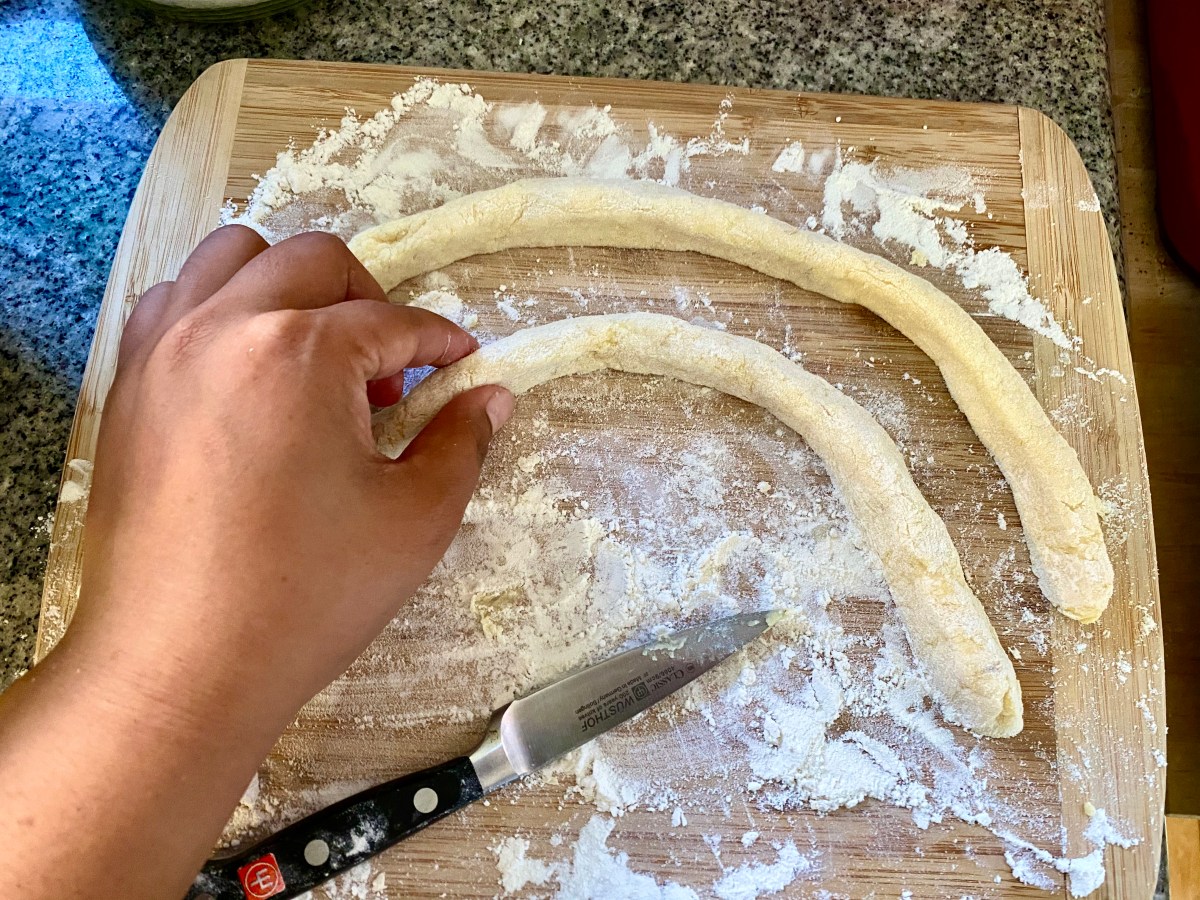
532 731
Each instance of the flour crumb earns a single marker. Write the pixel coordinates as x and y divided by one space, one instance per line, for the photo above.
446 304
77 481
595 872
359 883
505 305
716 143
757 879
522 123
998 277
516 868
790 158
250 795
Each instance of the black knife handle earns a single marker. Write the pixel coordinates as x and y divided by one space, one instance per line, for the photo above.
339 837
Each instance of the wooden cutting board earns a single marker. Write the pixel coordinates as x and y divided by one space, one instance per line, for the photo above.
1108 731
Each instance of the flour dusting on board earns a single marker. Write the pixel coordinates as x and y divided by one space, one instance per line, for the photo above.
582 541
914 209
387 166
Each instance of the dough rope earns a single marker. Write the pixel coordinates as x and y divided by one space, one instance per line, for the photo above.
1059 511
970 675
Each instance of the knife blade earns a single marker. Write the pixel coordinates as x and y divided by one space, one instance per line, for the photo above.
521 738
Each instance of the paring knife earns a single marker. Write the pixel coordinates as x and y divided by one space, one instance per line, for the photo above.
521 738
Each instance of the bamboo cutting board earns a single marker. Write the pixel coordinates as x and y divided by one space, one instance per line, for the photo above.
1107 732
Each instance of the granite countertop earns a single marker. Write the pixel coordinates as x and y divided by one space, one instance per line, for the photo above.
85 88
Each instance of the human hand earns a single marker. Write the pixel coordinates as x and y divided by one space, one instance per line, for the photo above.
241 523
244 542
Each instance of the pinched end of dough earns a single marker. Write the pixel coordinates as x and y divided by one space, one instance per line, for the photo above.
1008 723
1011 719
971 678
1077 584
981 714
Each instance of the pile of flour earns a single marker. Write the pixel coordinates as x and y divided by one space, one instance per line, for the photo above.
582 540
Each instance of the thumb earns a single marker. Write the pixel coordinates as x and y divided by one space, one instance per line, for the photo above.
441 465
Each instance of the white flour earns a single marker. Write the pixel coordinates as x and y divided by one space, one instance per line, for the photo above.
758 879
376 169
790 158
583 540
912 209
597 872
517 870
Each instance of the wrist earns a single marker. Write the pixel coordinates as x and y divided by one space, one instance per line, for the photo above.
167 690
104 743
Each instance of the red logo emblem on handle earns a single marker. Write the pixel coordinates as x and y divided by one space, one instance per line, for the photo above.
261 878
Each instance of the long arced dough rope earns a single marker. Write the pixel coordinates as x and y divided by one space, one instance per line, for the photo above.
1057 507
970 674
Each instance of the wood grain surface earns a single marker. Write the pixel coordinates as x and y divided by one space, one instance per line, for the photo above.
1107 732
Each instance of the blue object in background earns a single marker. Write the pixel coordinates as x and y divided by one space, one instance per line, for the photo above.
72 148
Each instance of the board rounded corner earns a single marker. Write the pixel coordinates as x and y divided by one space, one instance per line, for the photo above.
1036 125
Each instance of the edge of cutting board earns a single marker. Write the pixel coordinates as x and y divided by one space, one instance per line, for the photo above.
1069 249
179 199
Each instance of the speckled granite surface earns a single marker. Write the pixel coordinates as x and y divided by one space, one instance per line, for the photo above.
84 89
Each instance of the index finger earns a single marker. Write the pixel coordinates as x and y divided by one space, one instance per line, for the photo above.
380 341
308 271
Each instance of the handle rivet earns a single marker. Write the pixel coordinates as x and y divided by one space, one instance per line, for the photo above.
425 800
316 852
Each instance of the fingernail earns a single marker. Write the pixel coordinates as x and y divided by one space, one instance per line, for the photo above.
499 408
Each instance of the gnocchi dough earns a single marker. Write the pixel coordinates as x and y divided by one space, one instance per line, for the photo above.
1059 511
970 675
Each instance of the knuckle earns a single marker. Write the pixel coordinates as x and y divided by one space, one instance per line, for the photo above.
319 243
241 231
143 320
149 306
282 334
132 339
183 338
154 297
